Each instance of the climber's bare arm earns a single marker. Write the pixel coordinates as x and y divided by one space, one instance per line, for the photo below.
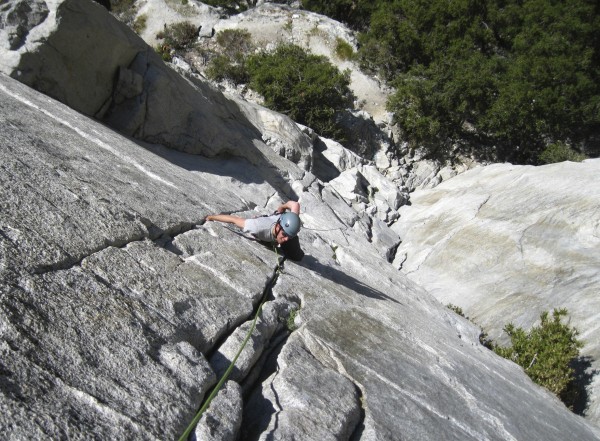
293 206
227 218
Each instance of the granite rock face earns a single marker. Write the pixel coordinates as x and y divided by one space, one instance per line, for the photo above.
120 306
116 299
507 242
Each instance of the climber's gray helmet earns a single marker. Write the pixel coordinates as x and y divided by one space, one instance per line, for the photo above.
290 222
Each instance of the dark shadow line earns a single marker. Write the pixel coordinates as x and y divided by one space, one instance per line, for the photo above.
341 278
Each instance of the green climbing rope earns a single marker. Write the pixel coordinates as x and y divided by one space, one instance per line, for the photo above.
224 377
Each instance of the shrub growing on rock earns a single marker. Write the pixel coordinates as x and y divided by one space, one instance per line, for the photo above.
559 152
343 49
307 88
546 353
230 64
235 42
176 36
223 68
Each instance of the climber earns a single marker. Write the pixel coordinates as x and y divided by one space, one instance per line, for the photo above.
281 228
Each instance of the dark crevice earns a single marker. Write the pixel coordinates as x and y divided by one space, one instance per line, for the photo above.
370 229
253 424
266 295
266 365
392 253
161 238
360 426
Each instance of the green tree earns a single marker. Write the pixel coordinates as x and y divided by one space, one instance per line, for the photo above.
392 44
559 152
306 87
516 75
355 13
546 353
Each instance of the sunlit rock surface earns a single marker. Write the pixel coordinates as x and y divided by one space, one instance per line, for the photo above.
507 242
114 294
119 305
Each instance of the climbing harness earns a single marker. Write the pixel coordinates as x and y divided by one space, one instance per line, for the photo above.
224 377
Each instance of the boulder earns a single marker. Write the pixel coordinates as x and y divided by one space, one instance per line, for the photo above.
81 55
280 133
340 157
423 174
351 185
382 188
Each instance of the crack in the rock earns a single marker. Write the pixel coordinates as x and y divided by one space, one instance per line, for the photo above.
370 229
360 426
161 238
267 292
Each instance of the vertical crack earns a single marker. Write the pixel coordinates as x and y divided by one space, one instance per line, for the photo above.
360 425
217 359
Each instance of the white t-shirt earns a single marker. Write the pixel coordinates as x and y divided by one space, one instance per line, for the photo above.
262 227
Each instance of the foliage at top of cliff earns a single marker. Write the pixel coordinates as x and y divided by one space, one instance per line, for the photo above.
511 77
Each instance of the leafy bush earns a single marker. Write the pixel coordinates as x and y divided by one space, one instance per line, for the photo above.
222 68
139 24
235 42
559 152
546 353
307 88
235 45
164 50
179 36
124 10
291 320
122 6
343 49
